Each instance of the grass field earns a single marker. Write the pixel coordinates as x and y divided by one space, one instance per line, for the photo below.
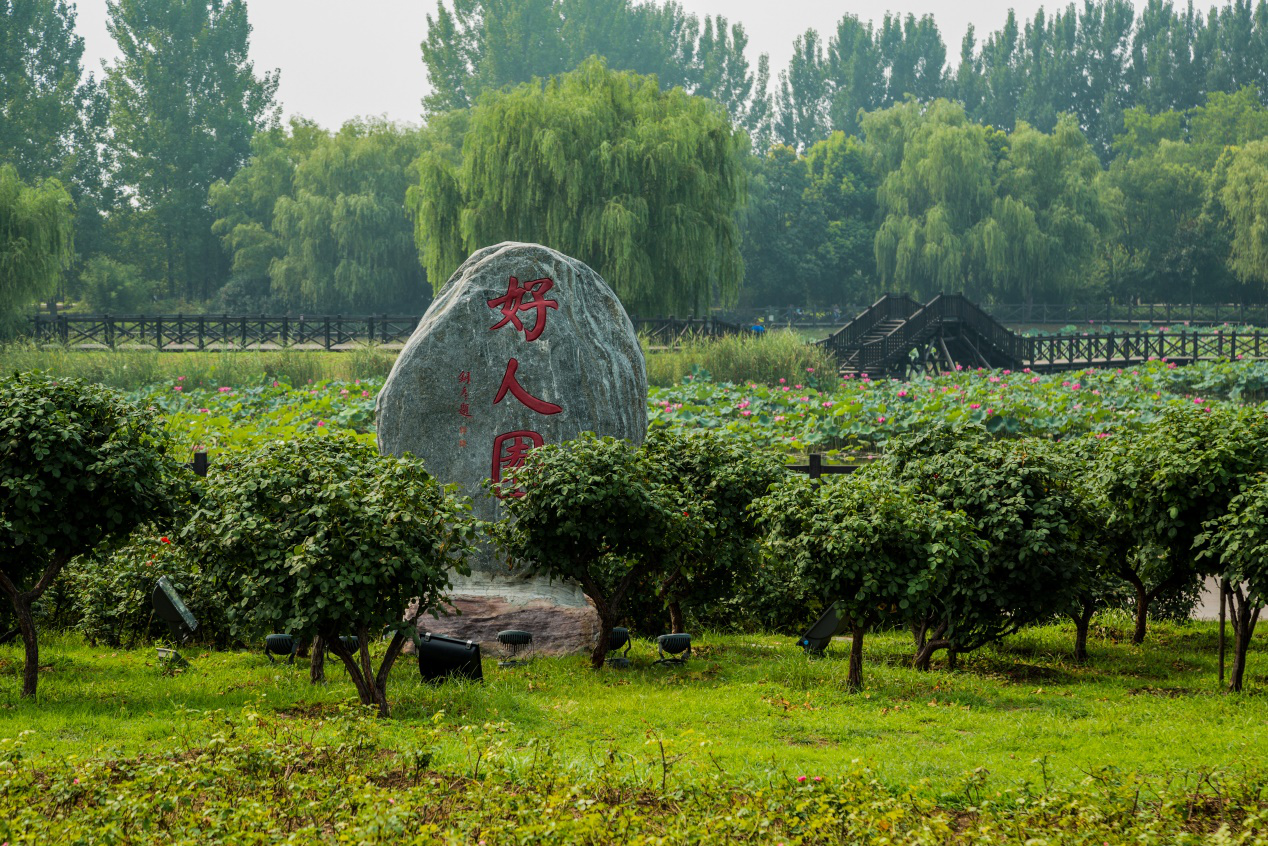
745 704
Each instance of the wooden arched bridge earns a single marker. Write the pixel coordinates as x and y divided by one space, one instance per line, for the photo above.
897 336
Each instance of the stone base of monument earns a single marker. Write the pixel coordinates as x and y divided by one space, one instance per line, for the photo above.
561 618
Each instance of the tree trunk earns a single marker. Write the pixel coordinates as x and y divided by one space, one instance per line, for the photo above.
26 625
855 681
606 622
953 658
1244 612
675 617
928 643
1142 613
1082 621
364 685
317 669
926 652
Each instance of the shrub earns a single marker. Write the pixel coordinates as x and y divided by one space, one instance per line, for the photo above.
593 510
321 537
1166 483
719 476
1013 493
881 550
82 468
111 593
112 286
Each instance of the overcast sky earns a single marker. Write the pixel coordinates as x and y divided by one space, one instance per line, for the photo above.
345 58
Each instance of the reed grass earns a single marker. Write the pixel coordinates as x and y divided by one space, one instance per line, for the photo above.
780 354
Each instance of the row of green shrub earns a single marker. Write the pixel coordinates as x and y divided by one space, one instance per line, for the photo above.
958 534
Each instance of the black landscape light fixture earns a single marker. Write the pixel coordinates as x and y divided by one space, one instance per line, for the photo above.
281 644
172 610
515 645
441 657
830 624
677 645
620 638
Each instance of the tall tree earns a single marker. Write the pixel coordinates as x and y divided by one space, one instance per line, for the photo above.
473 46
52 118
346 239
1245 197
185 102
35 241
802 100
642 184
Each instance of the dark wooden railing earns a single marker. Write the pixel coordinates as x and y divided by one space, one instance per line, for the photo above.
185 332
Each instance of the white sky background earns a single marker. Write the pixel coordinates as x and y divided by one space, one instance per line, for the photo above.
341 59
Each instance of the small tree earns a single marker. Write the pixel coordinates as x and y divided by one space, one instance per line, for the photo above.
1166 483
1012 491
322 537
721 475
882 550
81 468
592 510
1102 546
1238 540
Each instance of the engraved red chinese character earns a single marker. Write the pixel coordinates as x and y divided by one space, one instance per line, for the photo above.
464 377
512 303
509 383
509 451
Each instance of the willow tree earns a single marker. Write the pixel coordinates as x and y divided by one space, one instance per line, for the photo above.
35 239
1245 198
965 207
642 184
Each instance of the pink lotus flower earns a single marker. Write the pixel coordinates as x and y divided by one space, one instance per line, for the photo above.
1034 380
827 404
781 381
204 411
801 779
1102 434
880 419
275 384
779 418
975 406
321 422
180 378
746 413
904 393
365 393
810 370
177 388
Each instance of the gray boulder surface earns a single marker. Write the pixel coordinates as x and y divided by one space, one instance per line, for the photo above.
523 346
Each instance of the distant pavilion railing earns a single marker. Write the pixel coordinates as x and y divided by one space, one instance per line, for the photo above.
188 332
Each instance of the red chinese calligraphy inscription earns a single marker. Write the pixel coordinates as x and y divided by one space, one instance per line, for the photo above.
509 451
513 302
509 383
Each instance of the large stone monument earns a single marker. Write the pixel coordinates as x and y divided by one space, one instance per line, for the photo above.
523 346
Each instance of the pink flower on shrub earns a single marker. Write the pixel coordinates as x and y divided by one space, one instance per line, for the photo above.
165 539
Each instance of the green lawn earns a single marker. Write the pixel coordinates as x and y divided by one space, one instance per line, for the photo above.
745 704
750 743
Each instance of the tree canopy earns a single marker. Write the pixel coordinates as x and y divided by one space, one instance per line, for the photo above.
640 183
36 240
